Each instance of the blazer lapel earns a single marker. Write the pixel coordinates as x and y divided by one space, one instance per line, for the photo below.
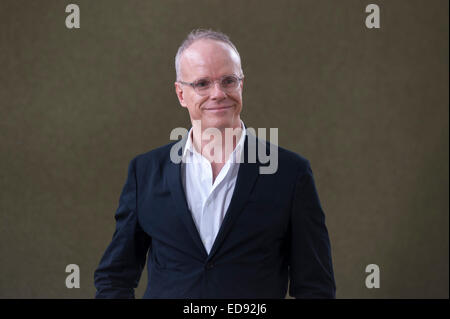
247 176
179 198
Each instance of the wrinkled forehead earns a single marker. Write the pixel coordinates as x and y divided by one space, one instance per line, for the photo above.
209 58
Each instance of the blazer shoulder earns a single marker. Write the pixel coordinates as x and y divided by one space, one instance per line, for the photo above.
153 159
155 154
292 156
288 158
294 159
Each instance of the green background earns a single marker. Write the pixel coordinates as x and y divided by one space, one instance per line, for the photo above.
367 107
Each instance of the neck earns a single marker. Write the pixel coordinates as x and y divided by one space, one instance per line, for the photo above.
216 144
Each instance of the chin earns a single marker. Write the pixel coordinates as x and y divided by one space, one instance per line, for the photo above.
218 122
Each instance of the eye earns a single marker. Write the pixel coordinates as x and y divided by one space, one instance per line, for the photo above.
202 83
229 81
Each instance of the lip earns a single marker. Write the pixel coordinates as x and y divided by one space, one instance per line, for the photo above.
220 108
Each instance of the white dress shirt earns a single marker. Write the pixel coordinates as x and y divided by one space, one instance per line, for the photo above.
208 201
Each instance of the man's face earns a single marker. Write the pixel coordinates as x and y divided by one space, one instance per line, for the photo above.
210 59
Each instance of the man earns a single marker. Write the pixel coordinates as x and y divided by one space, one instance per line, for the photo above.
212 225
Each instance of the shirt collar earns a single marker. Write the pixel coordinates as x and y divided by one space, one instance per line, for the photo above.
189 147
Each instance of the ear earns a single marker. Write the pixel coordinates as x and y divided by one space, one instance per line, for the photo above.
179 91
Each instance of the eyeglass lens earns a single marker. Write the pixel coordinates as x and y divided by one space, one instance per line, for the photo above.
226 83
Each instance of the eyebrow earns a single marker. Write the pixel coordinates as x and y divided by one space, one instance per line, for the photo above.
208 77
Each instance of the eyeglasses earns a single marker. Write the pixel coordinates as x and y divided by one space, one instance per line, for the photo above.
228 83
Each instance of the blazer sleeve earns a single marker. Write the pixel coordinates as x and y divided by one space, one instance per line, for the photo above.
121 266
310 265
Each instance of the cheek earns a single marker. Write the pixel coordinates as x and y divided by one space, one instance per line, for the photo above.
195 103
237 98
200 101
190 100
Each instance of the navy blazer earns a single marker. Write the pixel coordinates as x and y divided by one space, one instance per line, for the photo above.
273 232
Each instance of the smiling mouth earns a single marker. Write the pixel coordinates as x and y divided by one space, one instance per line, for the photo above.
218 108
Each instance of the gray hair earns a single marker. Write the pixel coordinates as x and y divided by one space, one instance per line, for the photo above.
199 34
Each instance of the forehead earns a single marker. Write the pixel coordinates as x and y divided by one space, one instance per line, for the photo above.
208 58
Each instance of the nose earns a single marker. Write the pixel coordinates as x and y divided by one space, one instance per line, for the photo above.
216 92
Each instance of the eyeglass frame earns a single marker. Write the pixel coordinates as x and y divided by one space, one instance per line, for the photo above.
192 84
